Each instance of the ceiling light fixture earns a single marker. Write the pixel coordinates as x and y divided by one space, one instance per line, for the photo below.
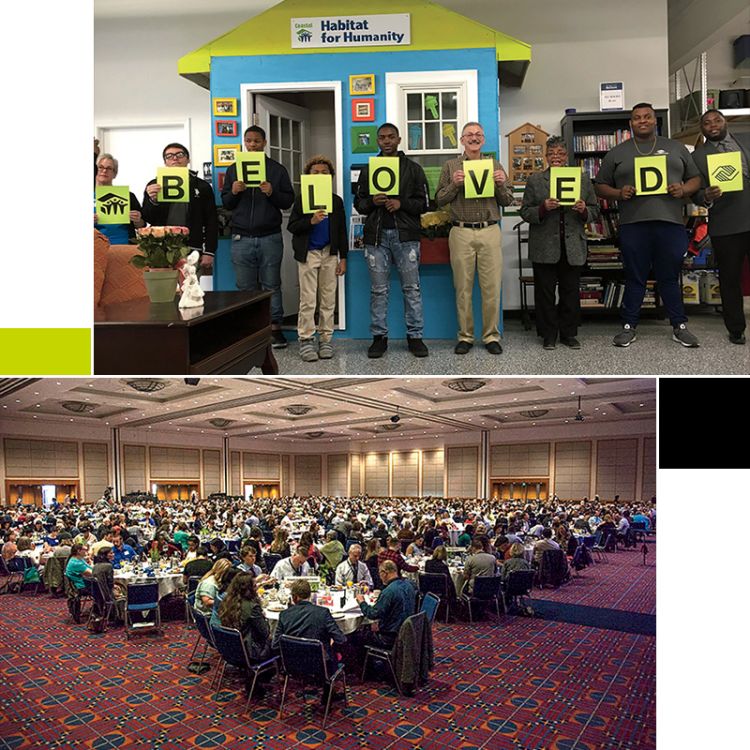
534 413
298 410
147 385
219 422
78 407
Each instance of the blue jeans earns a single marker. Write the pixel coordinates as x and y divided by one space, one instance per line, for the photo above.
406 257
258 259
660 245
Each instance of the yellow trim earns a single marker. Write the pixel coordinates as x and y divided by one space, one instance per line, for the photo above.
45 351
432 28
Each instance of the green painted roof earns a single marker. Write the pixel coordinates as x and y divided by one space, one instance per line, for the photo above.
432 27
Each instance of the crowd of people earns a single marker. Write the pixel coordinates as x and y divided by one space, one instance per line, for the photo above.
234 547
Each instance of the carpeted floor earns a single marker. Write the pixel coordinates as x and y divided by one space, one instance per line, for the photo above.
508 684
621 581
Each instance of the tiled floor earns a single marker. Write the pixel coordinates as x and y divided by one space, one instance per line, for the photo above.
653 353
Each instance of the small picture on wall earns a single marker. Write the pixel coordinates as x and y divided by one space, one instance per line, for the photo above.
226 128
363 110
226 107
220 180
536 150
528 137
362 84
519 150
225 155
364 139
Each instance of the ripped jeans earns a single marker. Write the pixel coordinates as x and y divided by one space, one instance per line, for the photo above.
405 255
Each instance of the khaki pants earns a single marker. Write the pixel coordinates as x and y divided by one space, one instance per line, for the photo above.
480 249
317 285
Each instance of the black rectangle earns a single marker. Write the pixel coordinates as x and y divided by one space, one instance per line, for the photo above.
704 423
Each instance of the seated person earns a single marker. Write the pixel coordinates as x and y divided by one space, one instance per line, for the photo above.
416 548
352 569
123 552
103 572
247 561
393 554
437 564
308 620
10 556
478 565
516 561
371 559
464 538
241 609
199 566
191 551
290 567
393 606
544 544
333 551
206 592
502 548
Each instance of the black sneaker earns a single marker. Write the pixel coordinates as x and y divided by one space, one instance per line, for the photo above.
416 347
493 347
549 343
278 340
737 338
570 341
378 347
462 347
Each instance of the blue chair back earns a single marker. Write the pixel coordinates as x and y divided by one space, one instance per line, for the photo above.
230 645
435 583
519 583
233 545
430 604
303 658
201 622
486 587
142 596
271 559
638 525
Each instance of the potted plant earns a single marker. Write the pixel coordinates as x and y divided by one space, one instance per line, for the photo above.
436 226
160 251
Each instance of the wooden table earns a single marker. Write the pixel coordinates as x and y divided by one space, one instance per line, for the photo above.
229 335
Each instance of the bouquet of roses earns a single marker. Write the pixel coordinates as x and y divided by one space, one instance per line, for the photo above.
160 247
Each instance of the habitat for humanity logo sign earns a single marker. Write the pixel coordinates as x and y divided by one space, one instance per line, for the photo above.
352 31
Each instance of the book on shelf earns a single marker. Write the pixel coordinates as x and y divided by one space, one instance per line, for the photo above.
600 141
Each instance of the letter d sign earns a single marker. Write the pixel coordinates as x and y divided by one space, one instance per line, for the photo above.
651 175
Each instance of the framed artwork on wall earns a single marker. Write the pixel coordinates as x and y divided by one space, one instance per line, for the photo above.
226 128
362 85
364 139
225 155
226 107
363 110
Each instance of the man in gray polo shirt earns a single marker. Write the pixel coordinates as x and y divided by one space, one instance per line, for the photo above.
652 231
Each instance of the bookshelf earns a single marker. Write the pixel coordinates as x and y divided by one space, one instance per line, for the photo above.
588 136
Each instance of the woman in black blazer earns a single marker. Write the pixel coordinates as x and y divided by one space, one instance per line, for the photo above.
437 564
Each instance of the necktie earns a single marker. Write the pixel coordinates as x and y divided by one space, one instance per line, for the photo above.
354 573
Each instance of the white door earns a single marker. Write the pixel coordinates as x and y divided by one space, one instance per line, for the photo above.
287 129
138 150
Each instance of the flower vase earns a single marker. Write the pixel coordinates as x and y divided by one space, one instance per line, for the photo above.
161 284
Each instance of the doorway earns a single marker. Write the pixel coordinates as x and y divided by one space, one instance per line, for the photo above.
267 490
523 489
300 120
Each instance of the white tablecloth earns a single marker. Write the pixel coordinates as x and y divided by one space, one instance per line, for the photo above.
169 583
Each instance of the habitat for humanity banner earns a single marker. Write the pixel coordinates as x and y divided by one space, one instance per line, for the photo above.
352 31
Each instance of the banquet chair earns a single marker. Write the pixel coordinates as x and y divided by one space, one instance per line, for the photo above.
202 624
270 559
486 589
305 659
142 608
639 530
78 598
553 569
232 648
520 584
192 585
436 583
429 606
11 581
103 604
411 656
599 547
233 546
53 576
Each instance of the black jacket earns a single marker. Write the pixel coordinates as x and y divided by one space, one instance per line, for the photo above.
308 620
202 220
412 192
300 227
253 213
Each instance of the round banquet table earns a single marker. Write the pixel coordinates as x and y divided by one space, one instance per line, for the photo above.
169 583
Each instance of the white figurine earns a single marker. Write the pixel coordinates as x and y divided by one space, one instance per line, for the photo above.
192 294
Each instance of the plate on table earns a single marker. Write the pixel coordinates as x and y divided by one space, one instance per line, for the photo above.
339 616
275 608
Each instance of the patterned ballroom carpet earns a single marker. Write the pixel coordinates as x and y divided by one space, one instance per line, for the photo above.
514 684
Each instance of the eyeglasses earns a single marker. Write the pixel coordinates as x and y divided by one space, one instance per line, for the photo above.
472 135
106 169
174 155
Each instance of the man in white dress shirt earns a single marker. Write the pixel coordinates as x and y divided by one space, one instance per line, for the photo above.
352 569
292 567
